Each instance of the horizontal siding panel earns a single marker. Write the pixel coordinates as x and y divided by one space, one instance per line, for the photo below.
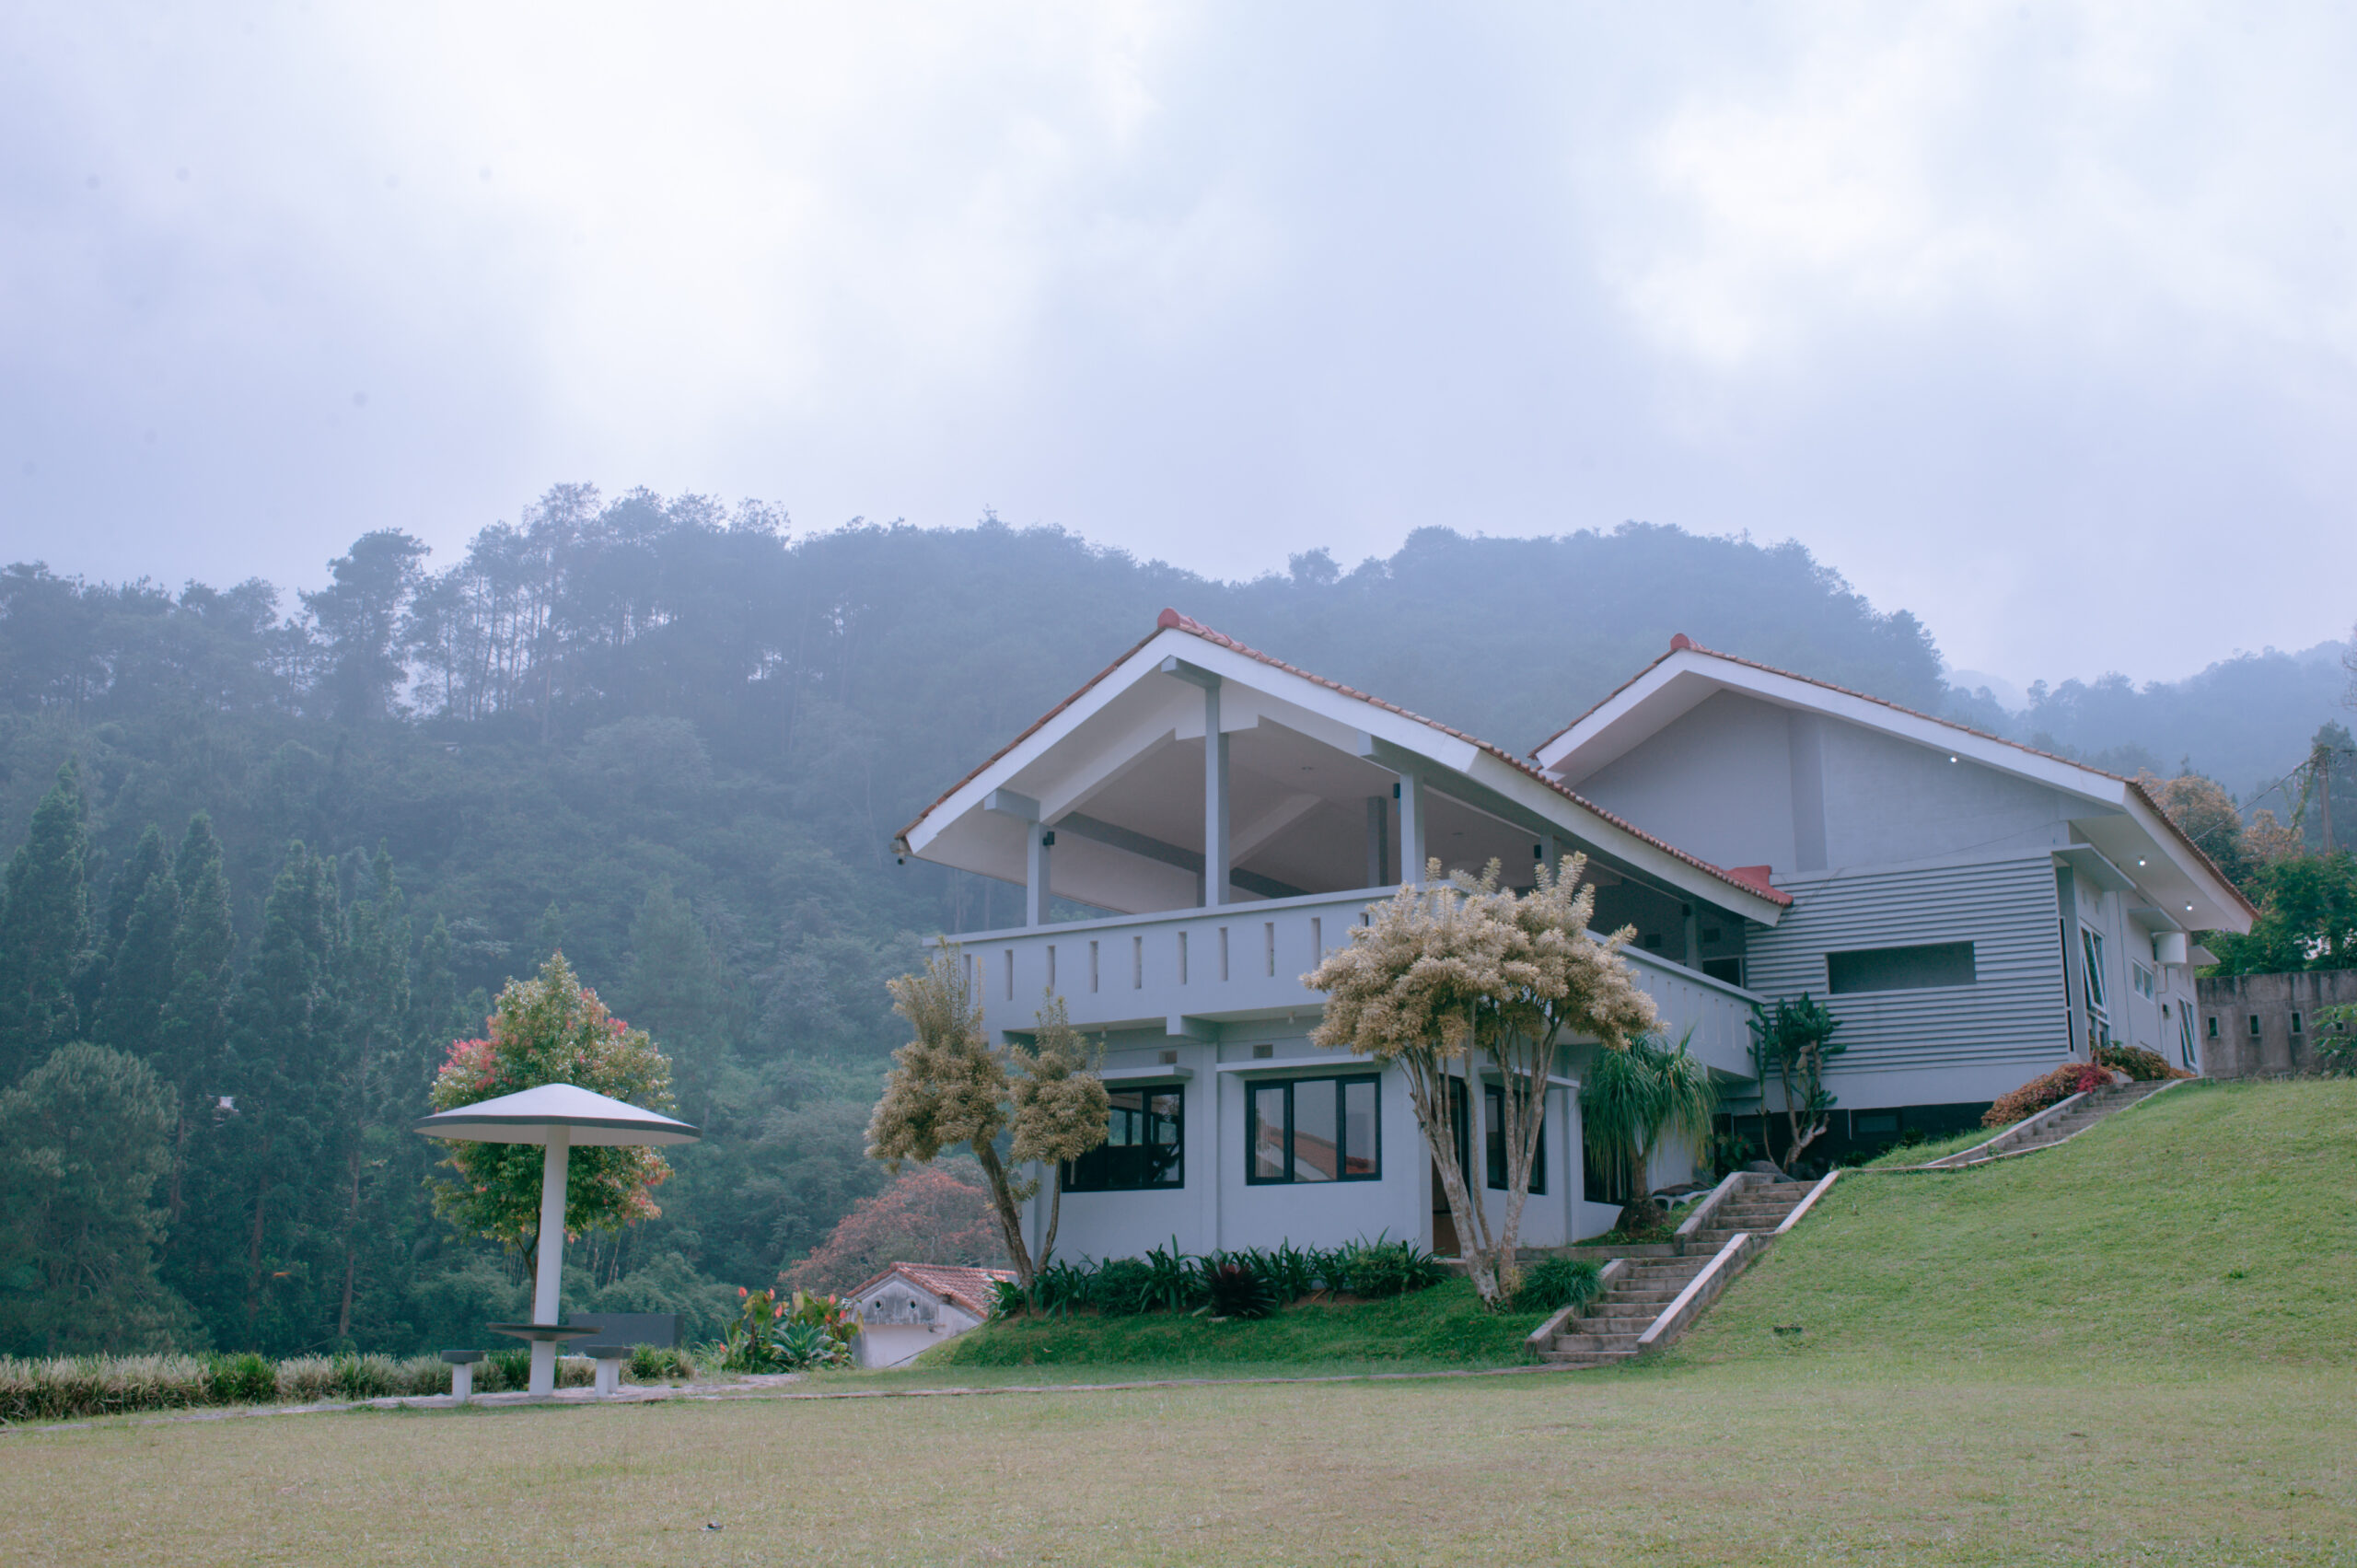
2006 909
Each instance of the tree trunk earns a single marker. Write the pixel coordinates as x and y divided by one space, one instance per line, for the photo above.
262 1205
1438 1125
350 1249
1010 1219
1055 1212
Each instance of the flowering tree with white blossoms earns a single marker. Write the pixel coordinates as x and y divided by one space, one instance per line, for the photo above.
1456 974
949 1086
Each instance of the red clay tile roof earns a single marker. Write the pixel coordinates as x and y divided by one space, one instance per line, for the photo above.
1171 621
973 1289
1681 642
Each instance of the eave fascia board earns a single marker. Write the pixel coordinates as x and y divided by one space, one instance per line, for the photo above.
2232 905
1791 692
1142 662
1201 659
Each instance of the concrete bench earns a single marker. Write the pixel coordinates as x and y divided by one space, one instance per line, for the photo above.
462 1372
609 1368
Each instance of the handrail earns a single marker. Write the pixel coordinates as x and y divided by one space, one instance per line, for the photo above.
1736 1180
1820 1190
1672 1316
2003 1135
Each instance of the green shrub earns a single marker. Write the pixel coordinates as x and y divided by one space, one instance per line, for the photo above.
505 1371
655 1364
2144 1066
244 1379
367 1376
1123 1286
1554 1283
1378 1269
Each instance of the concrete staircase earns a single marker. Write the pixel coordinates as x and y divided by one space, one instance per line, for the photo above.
1639 1290
2058 1125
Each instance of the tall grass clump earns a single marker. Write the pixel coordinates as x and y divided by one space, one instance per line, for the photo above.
60 1386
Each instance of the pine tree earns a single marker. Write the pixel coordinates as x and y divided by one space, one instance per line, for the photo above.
96 972
372 983
147 860
45 929
130 1014
188 1030
284 1059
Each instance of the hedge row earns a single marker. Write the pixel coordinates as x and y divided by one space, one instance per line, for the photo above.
64 1387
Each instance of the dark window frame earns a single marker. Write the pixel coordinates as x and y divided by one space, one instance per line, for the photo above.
1075 1172
1846 968
1493 1163
1343 1153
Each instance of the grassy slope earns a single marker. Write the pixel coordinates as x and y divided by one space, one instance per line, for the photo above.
2215 1225
1932 1149
1443 1326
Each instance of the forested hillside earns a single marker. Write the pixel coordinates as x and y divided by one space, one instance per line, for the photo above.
276 856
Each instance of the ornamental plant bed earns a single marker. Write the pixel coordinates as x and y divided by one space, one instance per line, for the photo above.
1443 1326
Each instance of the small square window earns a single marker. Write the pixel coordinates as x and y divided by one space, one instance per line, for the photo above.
2296 1023
2254 1026
2213 1028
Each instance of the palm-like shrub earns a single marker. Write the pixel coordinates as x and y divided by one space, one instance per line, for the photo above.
1630 1100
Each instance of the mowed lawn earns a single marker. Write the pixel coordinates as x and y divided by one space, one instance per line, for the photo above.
1988 1372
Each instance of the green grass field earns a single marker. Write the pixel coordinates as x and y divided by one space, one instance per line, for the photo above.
2137 1349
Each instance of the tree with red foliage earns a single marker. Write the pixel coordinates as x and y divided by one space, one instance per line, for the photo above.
931 1214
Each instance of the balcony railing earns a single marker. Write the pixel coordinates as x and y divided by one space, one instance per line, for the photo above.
1195 972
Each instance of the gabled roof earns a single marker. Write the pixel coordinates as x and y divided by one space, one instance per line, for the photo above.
1171 621
974 1289
1619 722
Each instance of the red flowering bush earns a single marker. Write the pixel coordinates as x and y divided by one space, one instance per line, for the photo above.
2048 1088
550 1029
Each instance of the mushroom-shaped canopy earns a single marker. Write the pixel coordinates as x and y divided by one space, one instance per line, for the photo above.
527 1116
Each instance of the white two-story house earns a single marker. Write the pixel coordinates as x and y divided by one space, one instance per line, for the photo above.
1233 817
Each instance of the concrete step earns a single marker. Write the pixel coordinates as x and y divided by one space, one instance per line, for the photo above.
1594 1343
1615 1311
1571 1361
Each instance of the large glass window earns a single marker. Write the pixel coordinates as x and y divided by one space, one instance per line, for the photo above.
2092 942
1313 1130
1494 1124
1144 1142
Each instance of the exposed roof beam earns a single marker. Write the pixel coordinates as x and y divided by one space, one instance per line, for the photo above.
1082 826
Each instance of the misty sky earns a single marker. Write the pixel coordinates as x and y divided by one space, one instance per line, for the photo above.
2039 321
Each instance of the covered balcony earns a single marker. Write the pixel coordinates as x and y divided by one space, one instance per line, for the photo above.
1226 818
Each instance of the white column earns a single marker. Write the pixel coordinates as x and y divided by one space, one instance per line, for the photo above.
1379 831
1412 827
1035 875
1215 812
551 1258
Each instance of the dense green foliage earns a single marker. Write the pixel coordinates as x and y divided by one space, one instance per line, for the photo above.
1446 1325
677 744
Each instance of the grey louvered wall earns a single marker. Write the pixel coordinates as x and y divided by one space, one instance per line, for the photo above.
2006 909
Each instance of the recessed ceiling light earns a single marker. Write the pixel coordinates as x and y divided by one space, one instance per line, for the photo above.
1951 759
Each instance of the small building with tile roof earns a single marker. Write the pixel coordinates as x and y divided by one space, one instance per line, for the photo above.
909 1307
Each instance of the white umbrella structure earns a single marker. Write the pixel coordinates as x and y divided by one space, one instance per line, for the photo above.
558 1116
